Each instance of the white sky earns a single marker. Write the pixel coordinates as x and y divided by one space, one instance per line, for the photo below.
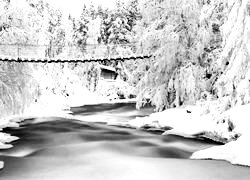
74 7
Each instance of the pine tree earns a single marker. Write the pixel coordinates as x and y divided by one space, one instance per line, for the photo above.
80 28
56 33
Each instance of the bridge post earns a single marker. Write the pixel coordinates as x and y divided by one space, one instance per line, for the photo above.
108 52
141 48
18 51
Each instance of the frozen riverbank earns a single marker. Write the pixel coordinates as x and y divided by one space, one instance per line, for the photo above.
229 128
236 151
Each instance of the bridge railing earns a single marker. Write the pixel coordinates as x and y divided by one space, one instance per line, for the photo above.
90 51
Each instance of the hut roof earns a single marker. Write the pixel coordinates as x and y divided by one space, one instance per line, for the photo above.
108 68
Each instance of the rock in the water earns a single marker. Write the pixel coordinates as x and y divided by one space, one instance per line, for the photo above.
12 125
146 127
5 146
178 133
156 130
6 138
217 137
1 164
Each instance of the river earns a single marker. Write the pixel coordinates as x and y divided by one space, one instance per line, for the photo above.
68 149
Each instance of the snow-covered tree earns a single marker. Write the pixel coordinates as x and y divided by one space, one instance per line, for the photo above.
56 33
117 25
18 22
117 31
80 29
173 32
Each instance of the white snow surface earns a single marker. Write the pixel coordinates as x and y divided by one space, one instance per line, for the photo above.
191 120
236 152
186 121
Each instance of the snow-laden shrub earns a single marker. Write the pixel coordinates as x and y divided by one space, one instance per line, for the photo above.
18 88
115 89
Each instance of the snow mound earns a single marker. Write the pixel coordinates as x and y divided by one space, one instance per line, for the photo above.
186 121
236 152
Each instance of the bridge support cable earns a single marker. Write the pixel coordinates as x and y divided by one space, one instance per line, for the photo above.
39 60
71 54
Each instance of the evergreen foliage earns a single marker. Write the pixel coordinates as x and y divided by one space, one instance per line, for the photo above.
80 29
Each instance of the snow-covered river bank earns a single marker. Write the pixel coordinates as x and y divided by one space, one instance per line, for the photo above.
64 148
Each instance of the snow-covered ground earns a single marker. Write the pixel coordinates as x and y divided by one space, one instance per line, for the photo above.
236 152
230 127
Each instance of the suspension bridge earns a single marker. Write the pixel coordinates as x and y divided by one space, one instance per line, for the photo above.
71 54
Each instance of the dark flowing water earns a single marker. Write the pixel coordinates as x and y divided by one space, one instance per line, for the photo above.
67 149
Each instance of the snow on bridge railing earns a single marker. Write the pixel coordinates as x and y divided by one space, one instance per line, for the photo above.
90 52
